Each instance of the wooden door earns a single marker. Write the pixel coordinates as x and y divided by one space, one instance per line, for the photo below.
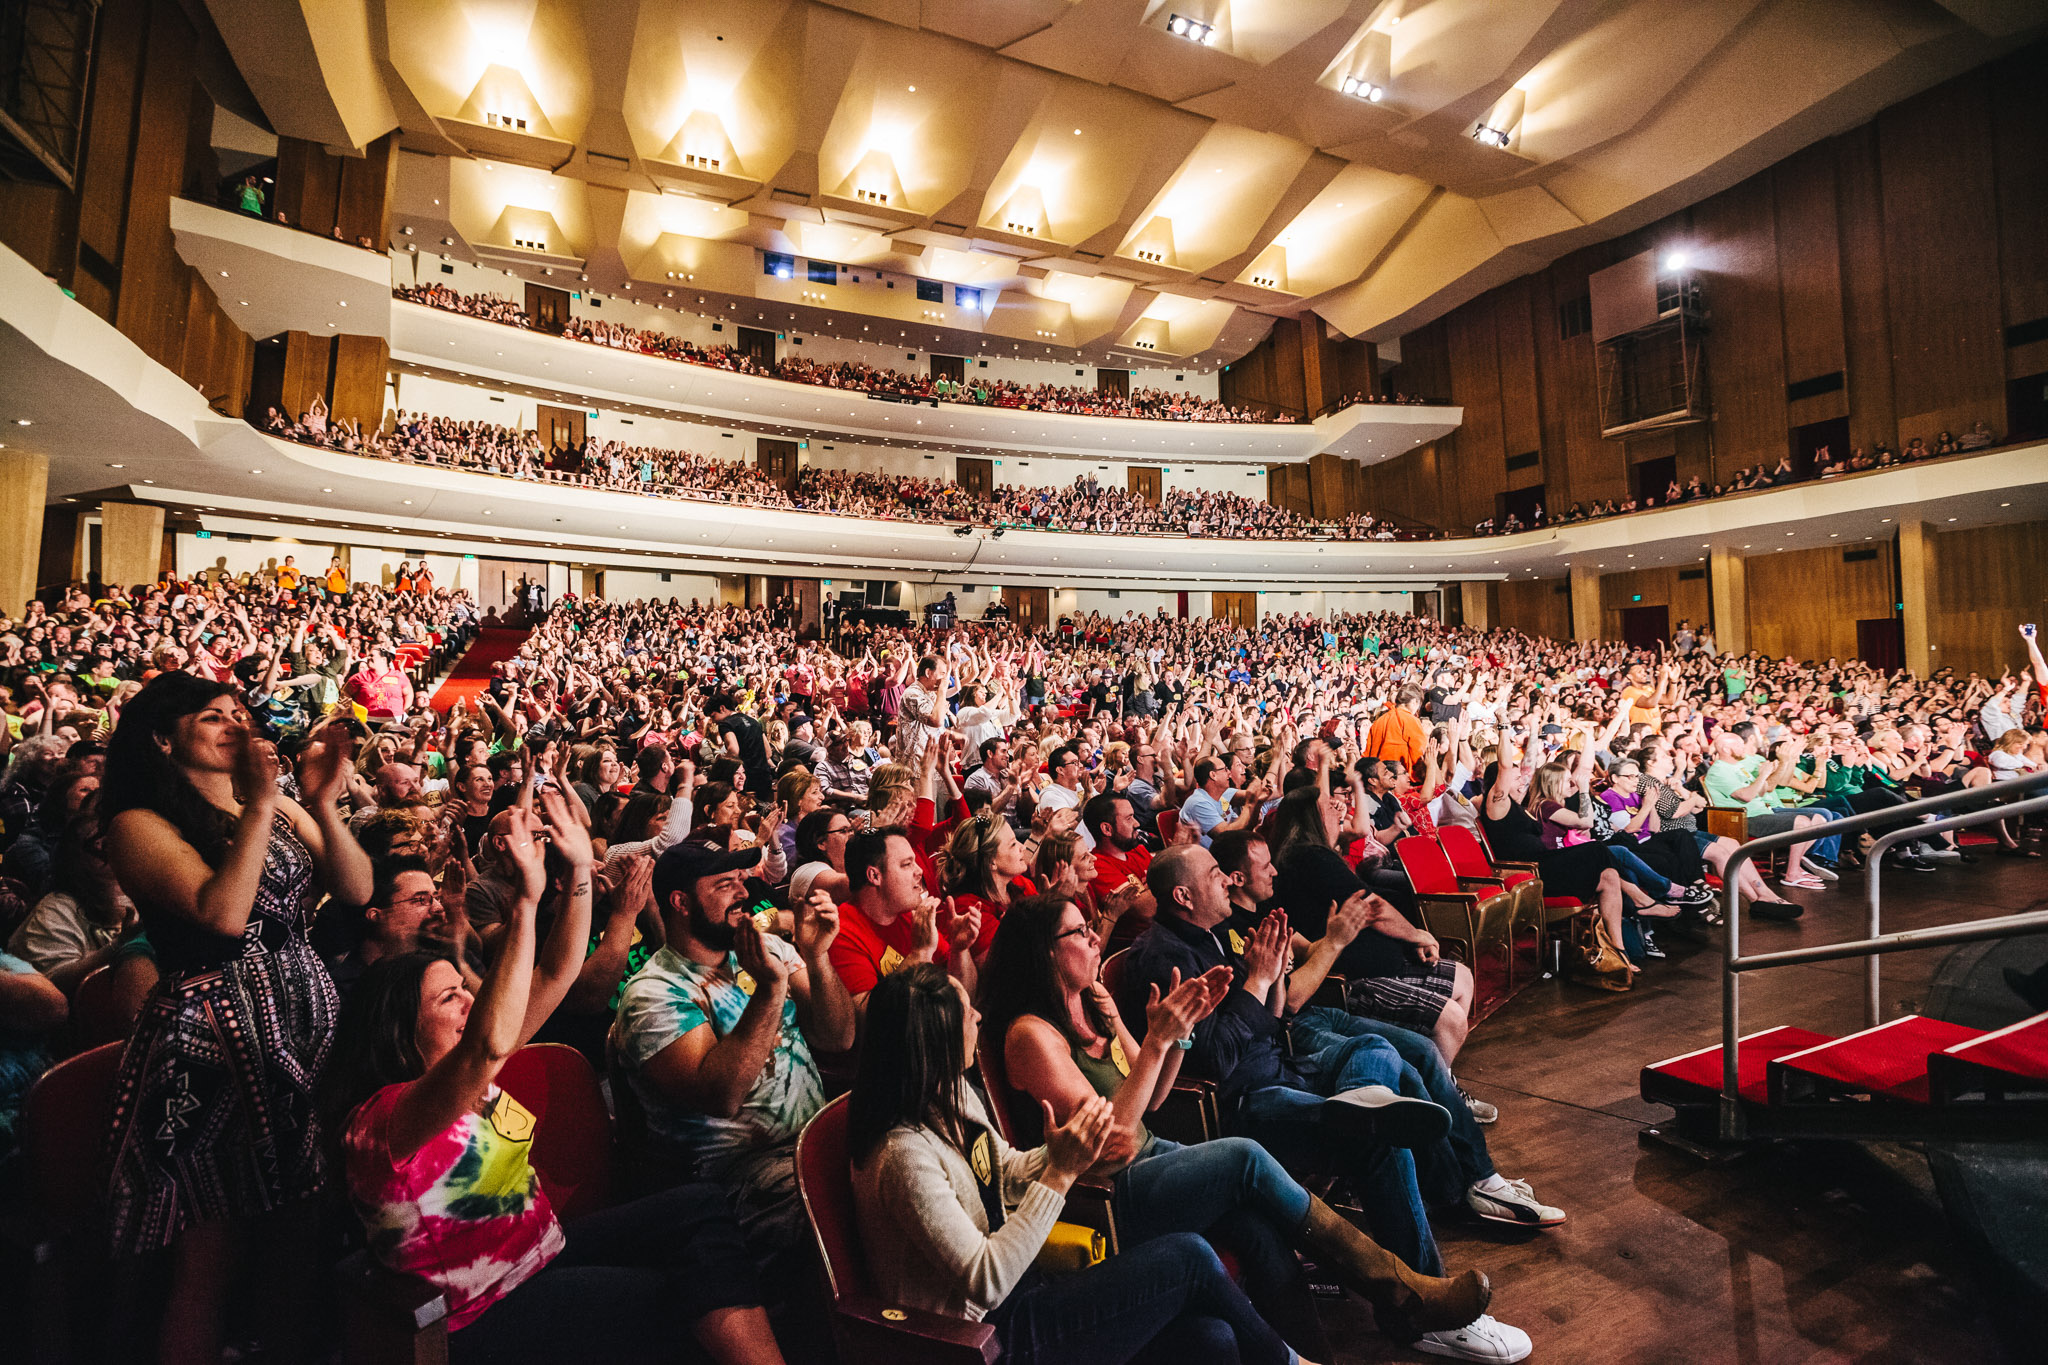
1237 608
977 476
1030 608
949 367
777 459
559 428
548 307
758 344
1113 381
1144 481
1644 627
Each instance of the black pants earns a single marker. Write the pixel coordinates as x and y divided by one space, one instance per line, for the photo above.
629 1286
1673 852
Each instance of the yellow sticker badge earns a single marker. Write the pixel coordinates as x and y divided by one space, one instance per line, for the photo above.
892 962
983 1157
743 981
1116 1055
1236 943
510 1119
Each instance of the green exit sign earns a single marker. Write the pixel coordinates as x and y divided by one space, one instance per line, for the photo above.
206 535
1637 598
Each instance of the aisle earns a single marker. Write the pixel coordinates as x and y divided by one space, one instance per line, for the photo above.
472 672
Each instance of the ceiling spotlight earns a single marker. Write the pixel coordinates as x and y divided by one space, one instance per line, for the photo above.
1364 90
1676 260
1492 137
1194 30
447 241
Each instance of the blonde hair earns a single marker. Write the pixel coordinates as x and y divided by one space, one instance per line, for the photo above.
792 787
1054 853
1547 783
964 866
886 784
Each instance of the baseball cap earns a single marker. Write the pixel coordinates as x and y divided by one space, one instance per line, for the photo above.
686 863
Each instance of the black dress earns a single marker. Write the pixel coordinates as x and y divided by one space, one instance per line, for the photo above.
213 1107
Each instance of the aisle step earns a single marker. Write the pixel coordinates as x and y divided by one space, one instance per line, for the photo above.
2014 1058
1695 1077
1889 1061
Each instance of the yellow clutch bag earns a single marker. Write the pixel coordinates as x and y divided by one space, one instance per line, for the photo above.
1071 1248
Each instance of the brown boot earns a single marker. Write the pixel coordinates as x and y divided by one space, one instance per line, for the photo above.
1405 1303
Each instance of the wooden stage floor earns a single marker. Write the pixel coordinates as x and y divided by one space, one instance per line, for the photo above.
1807 1253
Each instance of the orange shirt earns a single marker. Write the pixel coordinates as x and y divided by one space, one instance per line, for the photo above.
1396 736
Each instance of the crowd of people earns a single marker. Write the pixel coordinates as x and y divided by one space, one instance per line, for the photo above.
1084 505
1159 405
743 868
1824 463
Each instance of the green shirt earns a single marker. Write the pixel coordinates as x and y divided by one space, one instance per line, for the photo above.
1734 682
1723 779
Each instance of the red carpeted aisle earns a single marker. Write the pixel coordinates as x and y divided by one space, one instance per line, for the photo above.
472 672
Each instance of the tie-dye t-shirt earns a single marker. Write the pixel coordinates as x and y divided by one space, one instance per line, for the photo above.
671 996
466 1212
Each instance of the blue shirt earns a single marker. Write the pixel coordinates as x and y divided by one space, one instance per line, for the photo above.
1205 812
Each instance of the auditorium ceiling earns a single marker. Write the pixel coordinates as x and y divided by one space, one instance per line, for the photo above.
1118 177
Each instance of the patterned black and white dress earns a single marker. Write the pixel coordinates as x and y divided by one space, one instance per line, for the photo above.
213 1108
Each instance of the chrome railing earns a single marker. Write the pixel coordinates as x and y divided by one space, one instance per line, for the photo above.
1998 800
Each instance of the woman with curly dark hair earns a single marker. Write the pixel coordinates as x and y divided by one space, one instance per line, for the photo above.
214 1136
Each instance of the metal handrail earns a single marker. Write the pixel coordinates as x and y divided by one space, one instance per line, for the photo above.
1996 797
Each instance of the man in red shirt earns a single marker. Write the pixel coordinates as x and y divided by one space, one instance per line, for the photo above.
1121 862
892 922
378 686
1397 736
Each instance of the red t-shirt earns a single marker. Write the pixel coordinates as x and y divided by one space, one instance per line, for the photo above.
1112 870
381 694
864 953
991 913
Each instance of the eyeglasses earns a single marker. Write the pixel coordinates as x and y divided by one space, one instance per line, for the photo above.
417 898
1081 930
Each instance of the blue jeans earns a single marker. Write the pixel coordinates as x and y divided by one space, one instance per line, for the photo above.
1231 1190
1289 1123
1634 869
1167 1301
1445 1168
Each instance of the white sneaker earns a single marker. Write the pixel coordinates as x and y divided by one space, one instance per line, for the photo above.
1480 1339
1516 1204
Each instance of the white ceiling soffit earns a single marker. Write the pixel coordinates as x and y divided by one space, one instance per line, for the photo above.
1089 136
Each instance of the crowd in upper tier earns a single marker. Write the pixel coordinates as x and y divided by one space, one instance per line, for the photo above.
1084 505
1165 405
744 868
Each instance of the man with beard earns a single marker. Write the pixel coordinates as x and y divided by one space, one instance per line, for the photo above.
716 1034
1122 859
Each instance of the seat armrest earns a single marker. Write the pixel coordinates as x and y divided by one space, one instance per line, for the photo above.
1531 868
1090 1205
870 1332
1189 1114
1330 993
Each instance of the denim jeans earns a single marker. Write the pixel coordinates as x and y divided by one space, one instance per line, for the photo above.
1231 1190
1445 1168
1289 1123
1634 869
1167 1301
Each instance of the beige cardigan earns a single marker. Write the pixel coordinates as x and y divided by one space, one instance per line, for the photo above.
926 1235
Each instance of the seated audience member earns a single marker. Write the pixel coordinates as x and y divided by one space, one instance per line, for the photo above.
954 1219
1122 858
1351 1105
79 924
439 1167
1207 808
32 1010
402 916
984 871
821 855
1064 1044
891 921
715 1034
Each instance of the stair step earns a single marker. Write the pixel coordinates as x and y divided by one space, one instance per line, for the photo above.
1695 1077
2016 1052
1889 1060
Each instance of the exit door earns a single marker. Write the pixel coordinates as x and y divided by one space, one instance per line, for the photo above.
1644 627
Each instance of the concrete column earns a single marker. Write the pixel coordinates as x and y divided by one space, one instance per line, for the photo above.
24 483
1731 601
1916 593
1586 615
1477 600
131 543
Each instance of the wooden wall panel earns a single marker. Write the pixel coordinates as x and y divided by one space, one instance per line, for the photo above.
363 207
1535 606
1737 236
1988 580
1806 603
307 362
1810 278
1866 308
1941 258
1479 455
151 306
1689 599
360 365
109 144
1521 420
2019 129
1287 486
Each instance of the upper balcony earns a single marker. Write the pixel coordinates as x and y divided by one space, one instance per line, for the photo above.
279 279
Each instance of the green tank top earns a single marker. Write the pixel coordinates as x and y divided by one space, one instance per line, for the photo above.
1104 1076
